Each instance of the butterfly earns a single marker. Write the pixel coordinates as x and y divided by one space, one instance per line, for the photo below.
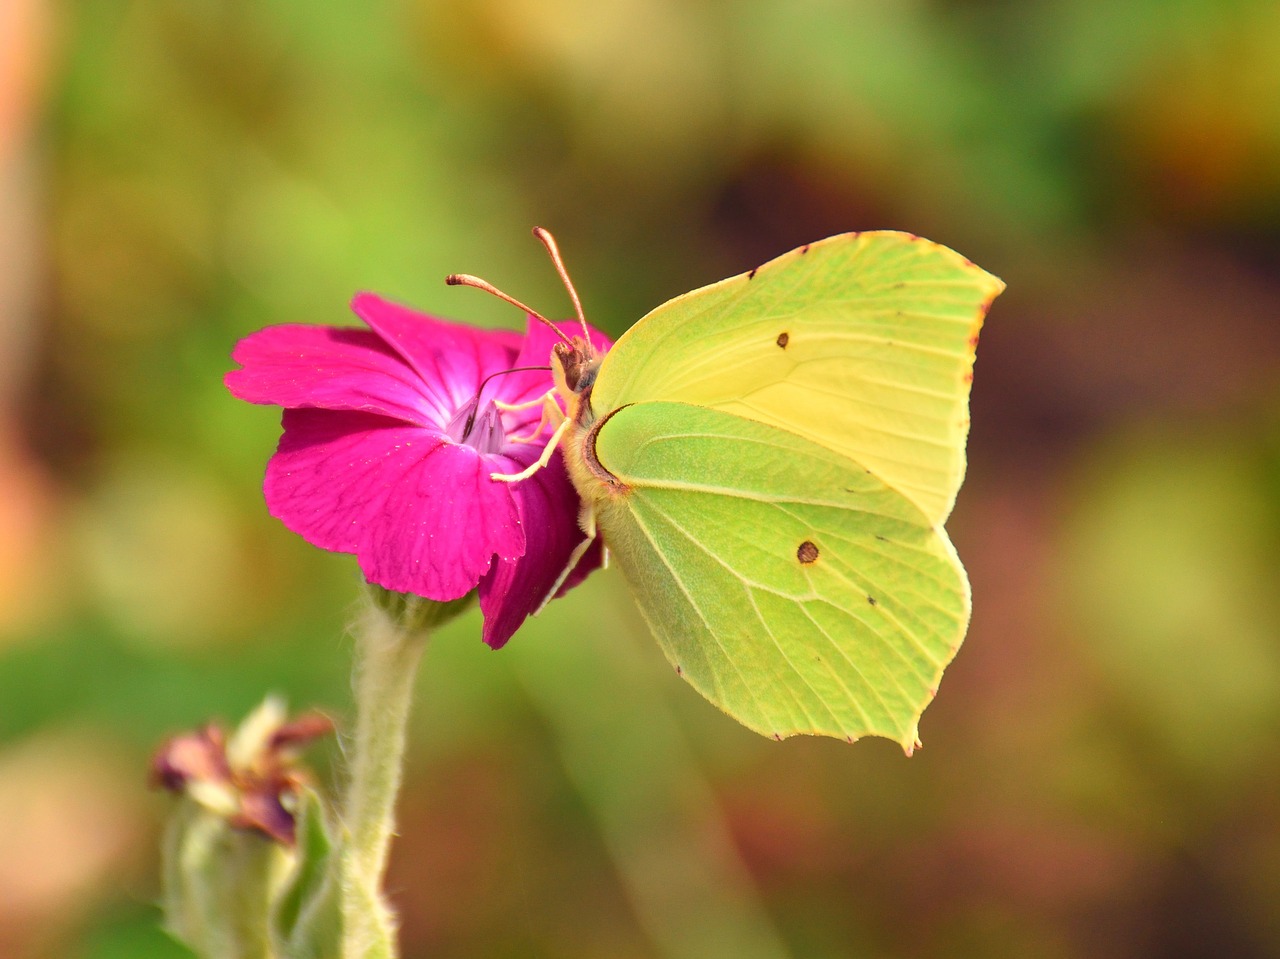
770 460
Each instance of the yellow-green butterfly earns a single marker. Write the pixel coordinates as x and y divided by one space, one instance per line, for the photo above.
770 460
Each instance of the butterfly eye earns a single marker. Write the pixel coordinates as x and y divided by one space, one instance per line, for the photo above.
807 553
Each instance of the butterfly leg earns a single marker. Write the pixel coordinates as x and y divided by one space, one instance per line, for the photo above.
540 462
516 407
551 415
587 520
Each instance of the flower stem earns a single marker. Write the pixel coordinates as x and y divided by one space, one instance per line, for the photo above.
387 657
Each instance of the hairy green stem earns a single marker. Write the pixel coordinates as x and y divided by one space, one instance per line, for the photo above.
387 657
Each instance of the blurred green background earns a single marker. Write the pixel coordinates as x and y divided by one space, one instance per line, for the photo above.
1101 772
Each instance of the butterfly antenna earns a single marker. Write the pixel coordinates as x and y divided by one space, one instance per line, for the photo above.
549 241
466 279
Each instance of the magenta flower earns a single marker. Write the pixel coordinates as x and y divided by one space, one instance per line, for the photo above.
390 437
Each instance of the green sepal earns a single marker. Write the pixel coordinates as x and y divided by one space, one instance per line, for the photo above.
218 884
307 919
416 614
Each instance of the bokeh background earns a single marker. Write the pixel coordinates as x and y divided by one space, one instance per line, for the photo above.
1101 771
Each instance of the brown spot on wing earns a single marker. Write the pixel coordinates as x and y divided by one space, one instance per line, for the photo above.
807 553
783 339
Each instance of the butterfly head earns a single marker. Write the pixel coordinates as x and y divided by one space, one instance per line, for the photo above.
573 368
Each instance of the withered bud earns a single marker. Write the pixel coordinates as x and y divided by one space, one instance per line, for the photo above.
201 755
248 778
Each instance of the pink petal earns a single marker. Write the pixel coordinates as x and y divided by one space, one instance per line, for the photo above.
536 351
450 358
331 368
419 512
513 590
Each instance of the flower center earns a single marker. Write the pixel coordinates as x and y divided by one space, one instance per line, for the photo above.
479 427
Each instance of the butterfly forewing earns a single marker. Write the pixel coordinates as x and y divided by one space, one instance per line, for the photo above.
863 343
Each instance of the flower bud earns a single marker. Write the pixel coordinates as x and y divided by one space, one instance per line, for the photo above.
229 849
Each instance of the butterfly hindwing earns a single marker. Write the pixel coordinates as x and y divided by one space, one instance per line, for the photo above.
863 343
789 585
